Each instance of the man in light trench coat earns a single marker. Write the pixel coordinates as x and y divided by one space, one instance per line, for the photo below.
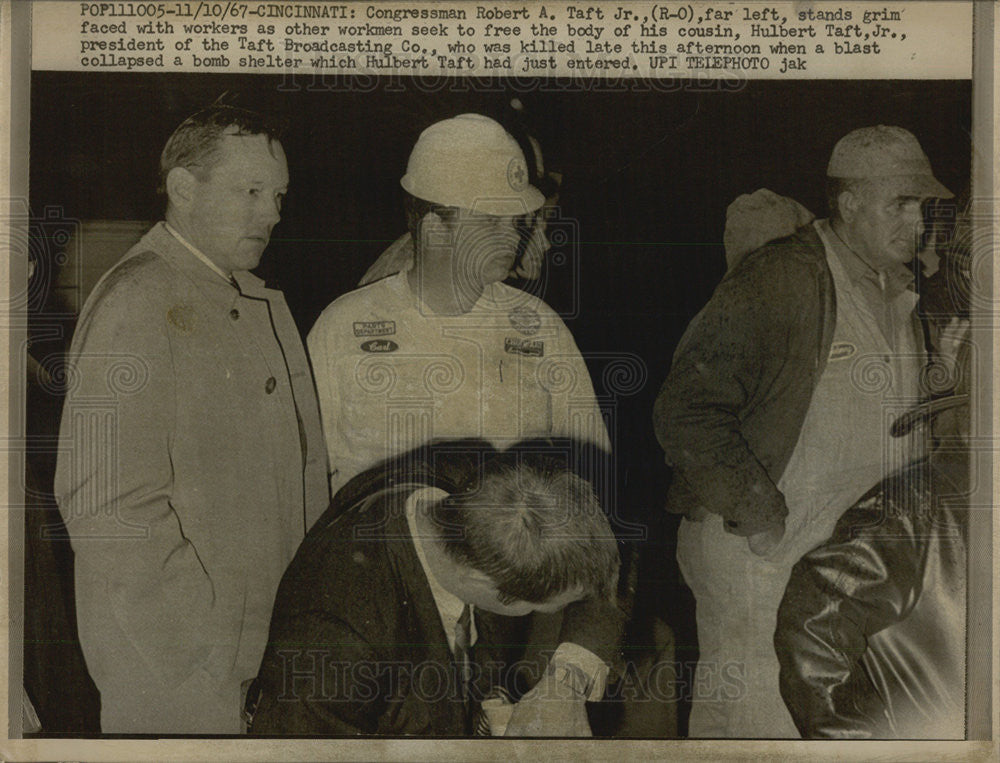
191 458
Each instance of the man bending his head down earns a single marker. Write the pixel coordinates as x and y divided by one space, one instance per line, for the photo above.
402 612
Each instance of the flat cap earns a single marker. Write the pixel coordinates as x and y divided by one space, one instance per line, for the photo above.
886 152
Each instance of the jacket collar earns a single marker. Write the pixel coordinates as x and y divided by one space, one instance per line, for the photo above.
208 281
401 549
196 252
449 606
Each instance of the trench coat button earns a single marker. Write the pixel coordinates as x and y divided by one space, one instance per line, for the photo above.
270 384
234 314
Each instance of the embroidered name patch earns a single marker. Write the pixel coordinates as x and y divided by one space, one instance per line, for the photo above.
516 346
379 345
525 320
842 350
374 328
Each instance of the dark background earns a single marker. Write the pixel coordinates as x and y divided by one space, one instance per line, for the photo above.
648 171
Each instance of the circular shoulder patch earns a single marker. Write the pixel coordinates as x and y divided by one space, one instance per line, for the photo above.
517 174
525 319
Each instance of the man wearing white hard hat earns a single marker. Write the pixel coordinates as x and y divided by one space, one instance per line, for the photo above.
445 350
776 413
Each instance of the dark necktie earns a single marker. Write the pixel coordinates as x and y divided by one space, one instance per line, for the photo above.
463 647
478 722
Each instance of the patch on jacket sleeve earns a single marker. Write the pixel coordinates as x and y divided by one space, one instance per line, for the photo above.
374 328
842 350
517 346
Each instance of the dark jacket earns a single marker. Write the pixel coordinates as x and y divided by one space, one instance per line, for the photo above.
729 414
356 643
871 630
356 634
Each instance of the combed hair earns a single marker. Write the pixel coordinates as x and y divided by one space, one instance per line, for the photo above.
535 529
195 142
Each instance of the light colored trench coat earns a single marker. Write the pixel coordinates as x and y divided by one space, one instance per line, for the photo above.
191 465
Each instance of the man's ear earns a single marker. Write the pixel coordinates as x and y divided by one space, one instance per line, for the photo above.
180 186
433 231
847 204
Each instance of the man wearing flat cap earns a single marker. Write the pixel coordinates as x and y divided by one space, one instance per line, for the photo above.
776 412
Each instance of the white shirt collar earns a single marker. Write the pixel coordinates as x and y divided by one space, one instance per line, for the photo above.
196 252
448 605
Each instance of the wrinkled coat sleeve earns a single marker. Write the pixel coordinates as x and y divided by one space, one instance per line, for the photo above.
113 484
718 372
839 595
598 626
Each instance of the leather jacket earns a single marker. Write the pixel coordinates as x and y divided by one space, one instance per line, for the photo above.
871 630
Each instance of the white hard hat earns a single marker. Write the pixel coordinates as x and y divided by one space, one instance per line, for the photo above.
471 162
